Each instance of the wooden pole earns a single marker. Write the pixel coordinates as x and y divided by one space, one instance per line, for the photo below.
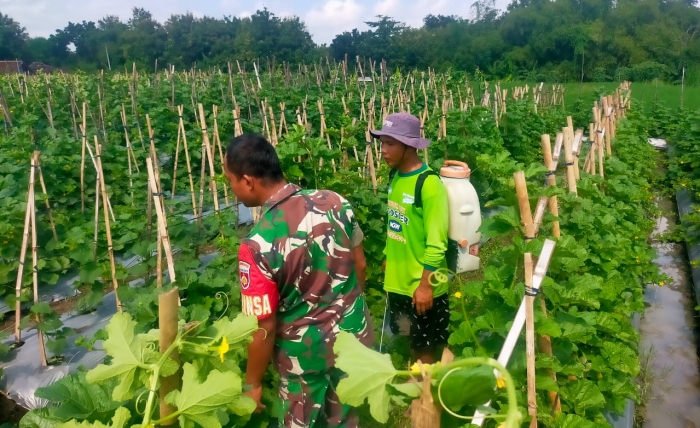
524 205
529 226
576 149
530 343
606 126
519 321
569 158
217 142
105 204
168 307
601 151
35 267
551 181
177 157
37 156
23 254
97 216
180 110
162 221
370 160
82 161
129 155
206 147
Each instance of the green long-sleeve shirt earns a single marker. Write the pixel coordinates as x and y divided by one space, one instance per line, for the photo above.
416 237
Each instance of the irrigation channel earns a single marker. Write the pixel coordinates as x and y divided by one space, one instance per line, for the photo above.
669 334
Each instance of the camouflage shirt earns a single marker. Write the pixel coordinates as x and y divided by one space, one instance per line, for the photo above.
297 262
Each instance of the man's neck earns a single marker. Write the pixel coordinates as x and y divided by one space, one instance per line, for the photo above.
271 191
410 164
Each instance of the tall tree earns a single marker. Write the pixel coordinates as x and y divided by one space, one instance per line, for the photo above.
13 39
145 39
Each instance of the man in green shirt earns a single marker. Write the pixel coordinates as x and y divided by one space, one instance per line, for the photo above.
416 238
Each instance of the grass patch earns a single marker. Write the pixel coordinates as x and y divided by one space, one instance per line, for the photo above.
642 92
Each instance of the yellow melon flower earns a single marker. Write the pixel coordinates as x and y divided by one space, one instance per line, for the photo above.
500 382
223 348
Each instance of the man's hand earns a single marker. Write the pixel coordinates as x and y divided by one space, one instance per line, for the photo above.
256 394
259 356
384 266
423 296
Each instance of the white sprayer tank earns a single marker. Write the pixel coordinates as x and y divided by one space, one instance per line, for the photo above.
465 217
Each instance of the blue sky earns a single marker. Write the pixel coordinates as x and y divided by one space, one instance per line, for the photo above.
324 18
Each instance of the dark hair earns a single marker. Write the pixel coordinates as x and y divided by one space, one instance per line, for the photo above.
253 155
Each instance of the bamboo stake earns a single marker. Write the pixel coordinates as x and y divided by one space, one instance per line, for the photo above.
273 129
530 343
35 268
524 205
100 95
129 154
217 142
105 203
92 158
162 220
181 126
168 308
129 146
22 255
37 155
589 164
82 161
177 156
601 148
323 129
154 157
206 148
569 157
519 321
545 341
551 181
159 260
606 125
576 149
97 217
370 160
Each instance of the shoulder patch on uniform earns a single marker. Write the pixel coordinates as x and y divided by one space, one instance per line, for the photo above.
244 274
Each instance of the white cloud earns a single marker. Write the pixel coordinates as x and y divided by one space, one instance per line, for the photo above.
333 17
386 7
334 12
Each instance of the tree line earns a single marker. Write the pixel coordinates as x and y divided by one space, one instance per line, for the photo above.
535 40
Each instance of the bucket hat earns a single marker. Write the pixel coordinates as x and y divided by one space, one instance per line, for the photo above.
405 128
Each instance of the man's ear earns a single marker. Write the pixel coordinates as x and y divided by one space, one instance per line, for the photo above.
251 183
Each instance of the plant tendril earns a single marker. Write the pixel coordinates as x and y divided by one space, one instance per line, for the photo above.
219 295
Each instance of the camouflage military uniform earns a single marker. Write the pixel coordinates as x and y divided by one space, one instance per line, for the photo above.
297 263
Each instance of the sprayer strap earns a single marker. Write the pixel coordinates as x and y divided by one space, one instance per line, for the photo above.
418 196
418 201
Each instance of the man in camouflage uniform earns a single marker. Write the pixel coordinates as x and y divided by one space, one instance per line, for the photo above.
298 276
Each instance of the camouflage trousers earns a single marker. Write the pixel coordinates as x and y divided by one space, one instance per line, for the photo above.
310 401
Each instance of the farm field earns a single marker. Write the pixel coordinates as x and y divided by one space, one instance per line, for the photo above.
124 175
646 93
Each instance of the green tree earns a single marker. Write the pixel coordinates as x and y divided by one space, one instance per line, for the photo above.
13 39
145 39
